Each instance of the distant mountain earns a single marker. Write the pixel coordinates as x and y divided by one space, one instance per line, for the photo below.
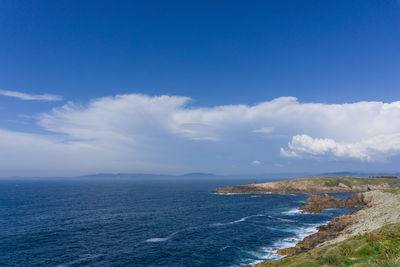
359 174
198 174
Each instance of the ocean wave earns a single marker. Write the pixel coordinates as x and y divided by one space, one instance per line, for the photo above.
83 259
281 219
295 211
288 229
292 211
162 239
270 252
238 221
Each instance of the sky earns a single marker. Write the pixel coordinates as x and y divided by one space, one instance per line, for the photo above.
228 87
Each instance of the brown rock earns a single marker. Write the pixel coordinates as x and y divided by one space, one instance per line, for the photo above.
333 229
318 203
325 233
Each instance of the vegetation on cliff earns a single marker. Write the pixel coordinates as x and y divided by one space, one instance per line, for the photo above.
378 248
393 191
369 236
334 228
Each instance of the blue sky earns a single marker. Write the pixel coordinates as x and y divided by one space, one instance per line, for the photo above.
177 86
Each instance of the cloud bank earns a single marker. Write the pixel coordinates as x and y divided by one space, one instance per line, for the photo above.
139 132
24 96
363 130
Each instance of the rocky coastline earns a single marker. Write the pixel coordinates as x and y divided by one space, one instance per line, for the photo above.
375 209
376 200
334 228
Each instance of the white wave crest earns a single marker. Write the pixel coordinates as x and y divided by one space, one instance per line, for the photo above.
238 221
162 239
270 252
281 219
295 211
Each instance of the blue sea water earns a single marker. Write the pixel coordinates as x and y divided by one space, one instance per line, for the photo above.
145 223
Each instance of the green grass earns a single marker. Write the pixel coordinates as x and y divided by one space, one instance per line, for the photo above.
392 190
352 181
380 248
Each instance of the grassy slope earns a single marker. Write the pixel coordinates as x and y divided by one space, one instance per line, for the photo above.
379 248
350 181
393 190
313 185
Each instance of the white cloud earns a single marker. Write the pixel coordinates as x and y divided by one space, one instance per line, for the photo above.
137 118
24 96
374 148
142 133
255 162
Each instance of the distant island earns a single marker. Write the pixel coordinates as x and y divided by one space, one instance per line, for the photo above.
367 236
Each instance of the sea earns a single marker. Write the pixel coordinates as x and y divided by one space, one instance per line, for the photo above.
146 222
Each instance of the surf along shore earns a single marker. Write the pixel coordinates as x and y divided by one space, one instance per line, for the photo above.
367 236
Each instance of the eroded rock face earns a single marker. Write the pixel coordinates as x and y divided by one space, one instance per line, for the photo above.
318 203
333 229
325 232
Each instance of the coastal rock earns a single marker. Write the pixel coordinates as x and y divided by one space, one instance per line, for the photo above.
377 210
334 228
380 214
318 203
325 232
382 209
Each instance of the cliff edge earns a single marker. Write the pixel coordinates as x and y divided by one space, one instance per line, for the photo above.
369 236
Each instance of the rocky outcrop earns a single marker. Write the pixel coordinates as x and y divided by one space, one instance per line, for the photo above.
318 203
334 228
325 232
377 210
383 208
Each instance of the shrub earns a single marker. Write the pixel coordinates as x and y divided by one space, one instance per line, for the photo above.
333 259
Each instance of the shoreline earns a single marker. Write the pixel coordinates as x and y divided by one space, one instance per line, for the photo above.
376 201
299 234
279 252
273 250
380 209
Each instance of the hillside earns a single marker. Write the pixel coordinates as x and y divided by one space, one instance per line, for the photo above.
369 236
314 185
378 248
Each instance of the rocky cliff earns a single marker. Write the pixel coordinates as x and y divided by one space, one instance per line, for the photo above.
318 203
376 209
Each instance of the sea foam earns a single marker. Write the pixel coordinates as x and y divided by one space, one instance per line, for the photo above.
270 252
238 221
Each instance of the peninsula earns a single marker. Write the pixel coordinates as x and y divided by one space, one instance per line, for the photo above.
314 185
